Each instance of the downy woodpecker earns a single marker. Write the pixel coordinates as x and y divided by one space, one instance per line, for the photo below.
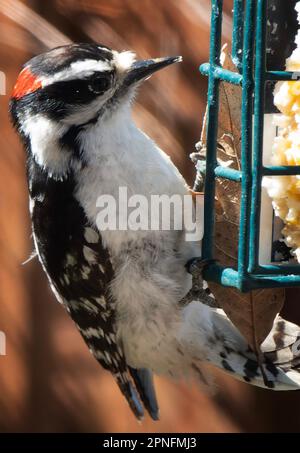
122 288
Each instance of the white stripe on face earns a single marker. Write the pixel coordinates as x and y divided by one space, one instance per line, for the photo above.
85 68
78 70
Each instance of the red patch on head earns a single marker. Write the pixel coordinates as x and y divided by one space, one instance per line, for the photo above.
26 83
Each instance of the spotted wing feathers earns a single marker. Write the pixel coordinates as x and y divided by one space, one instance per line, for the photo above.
79 270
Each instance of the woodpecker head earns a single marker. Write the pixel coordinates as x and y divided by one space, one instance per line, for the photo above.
74 86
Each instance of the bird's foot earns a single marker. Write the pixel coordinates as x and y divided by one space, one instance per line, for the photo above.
200 290
196 265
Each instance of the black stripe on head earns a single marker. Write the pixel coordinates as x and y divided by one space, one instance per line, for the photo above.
60 58
59 99
56 100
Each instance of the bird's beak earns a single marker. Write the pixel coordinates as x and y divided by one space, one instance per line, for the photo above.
143 69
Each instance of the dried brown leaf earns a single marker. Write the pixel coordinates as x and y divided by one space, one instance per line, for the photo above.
254 315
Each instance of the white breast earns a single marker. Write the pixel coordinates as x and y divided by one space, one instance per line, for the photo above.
118 155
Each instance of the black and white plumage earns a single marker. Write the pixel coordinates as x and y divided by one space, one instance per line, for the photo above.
123 289
79 270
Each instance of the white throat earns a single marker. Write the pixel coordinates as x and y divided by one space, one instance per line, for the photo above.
44 137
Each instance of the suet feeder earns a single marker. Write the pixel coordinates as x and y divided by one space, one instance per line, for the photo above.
249 53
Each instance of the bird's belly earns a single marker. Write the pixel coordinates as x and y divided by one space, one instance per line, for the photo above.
147 290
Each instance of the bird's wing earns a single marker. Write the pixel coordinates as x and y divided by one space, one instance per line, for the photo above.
94 315
83 289
79 270
91 307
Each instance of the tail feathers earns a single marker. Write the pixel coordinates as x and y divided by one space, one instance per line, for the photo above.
283 334
128 390
142 387
282 348
280 367
143 380
221 344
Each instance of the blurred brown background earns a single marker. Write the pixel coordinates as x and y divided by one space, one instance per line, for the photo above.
48 379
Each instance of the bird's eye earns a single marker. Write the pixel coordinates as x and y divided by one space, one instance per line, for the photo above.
99 84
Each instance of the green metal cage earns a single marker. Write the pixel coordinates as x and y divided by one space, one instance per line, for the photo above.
249 56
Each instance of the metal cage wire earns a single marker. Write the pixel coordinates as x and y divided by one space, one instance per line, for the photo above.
249 56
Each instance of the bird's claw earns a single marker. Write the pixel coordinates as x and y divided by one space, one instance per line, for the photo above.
196 265
199 290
